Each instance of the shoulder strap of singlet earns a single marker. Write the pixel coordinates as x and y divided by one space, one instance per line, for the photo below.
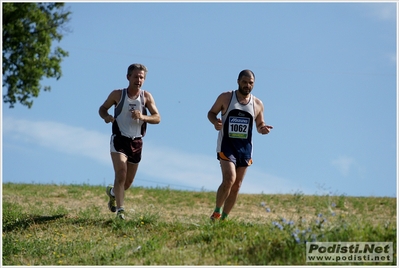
119 106
143 103
142 98
253 104
231 98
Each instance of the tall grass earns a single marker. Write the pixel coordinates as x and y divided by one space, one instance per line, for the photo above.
71 225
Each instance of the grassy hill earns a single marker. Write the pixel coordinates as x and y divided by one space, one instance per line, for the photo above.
71 225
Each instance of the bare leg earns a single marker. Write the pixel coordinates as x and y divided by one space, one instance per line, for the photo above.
229 177
131 174
231 199
120 167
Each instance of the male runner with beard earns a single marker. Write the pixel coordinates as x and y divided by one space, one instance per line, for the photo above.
239 110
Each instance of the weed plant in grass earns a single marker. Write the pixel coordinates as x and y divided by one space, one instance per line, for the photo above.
71 225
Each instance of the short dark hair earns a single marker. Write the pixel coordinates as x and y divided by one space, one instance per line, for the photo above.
246 72
138 66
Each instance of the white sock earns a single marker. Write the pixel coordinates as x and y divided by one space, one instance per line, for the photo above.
112 191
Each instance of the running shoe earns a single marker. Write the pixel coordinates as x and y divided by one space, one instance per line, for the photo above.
112 201
215 216
121 214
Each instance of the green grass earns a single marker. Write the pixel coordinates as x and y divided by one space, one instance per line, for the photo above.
71 225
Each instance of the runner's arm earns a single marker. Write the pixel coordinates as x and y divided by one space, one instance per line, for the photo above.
216 108
155 117
111 100
261 126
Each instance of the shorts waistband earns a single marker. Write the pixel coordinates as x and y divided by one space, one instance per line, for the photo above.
132 138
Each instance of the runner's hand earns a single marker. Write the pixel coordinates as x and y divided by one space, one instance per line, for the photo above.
218 124
109 118
265 129
136 114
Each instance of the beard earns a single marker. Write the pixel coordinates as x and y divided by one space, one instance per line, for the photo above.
244 91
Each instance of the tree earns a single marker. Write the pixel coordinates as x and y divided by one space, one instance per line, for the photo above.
28 32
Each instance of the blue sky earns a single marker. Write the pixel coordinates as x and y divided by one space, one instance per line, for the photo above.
326 73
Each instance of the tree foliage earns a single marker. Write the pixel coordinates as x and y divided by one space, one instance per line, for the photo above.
28 56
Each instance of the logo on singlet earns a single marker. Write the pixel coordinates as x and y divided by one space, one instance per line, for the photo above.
132 106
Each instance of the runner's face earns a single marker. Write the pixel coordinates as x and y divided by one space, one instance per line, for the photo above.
245 85
136 78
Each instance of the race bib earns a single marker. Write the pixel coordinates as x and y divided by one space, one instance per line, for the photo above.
238 127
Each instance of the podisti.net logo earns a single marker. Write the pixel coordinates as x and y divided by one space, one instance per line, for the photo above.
349 252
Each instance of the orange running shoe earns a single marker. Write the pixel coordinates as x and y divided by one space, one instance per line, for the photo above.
215 216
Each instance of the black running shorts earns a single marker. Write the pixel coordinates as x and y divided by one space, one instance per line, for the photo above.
130 147
238 162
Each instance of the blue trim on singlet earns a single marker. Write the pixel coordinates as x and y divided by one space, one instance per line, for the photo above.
119 106
118 110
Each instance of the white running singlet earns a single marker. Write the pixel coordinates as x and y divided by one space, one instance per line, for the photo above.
124 124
